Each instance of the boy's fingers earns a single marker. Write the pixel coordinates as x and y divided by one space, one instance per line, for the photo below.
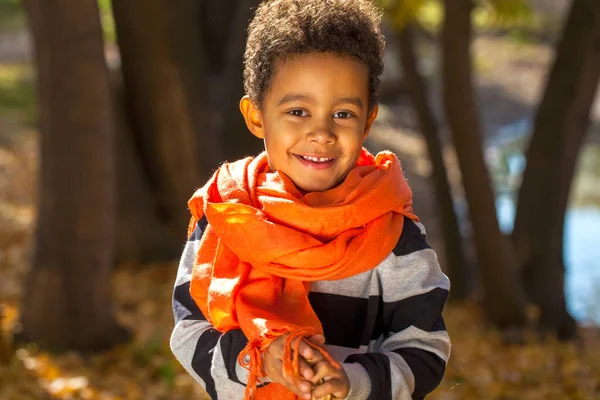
307 352
317 339
305 370
311 355
300 387
323 370
335 387
303 389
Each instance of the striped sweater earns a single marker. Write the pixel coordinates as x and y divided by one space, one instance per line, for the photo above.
384 325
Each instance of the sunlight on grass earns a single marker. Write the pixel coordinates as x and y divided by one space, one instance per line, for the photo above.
55 381
142 369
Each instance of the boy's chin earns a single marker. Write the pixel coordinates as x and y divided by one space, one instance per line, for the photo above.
309 188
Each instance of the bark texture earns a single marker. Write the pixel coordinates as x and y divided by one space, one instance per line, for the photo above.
67 298
503 297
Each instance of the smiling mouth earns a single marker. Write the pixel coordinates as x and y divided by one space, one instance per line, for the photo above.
316 163
316 159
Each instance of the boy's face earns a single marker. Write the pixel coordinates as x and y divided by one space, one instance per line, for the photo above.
314 118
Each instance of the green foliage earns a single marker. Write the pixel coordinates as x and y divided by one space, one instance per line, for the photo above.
146 352
108 22
514 14
428 13
17 92
12 15
507 11
168 372
487 14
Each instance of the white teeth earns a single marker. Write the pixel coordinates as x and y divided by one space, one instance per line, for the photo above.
316 159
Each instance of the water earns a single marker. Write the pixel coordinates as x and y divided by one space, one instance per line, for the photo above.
582 220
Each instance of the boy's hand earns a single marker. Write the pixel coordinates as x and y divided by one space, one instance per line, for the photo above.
335 383
272 365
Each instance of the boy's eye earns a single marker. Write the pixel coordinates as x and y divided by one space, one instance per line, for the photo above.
298 113
342 115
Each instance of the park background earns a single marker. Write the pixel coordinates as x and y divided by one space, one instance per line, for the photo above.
111 114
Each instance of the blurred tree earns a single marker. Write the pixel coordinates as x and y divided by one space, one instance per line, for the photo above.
182 78
224 31
560 127
405 15
459 271
142 232
67 300
166 121
503 297
425 15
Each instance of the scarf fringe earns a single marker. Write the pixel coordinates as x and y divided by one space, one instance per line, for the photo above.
251 357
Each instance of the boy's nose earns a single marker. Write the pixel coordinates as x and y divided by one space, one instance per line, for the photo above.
322 133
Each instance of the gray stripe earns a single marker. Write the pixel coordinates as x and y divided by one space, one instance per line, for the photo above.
183 343
403 380
402 277
360 286
186 263
360 382
411 275
437 343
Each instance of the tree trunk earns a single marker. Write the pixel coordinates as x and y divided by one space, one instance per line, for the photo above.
225 42
182 68
142 234
163 75
560 127
503 299
460 274
67 300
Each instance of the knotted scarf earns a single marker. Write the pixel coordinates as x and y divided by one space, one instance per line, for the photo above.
266 241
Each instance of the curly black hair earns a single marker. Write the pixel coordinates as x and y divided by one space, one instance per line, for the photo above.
283 28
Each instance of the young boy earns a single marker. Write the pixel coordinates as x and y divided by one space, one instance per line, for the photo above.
305 273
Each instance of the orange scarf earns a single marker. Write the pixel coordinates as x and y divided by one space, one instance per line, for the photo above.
266 241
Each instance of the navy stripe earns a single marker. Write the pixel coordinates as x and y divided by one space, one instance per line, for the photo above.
380 328
202 360
184 306
378 368
232 343
411 239
427 368
439 325
199 230
423 311
356 315
368 319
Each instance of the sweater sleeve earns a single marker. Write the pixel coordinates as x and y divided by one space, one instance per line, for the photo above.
207 355
411 355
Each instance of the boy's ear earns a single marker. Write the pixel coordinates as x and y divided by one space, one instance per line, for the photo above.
370 119
253 117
